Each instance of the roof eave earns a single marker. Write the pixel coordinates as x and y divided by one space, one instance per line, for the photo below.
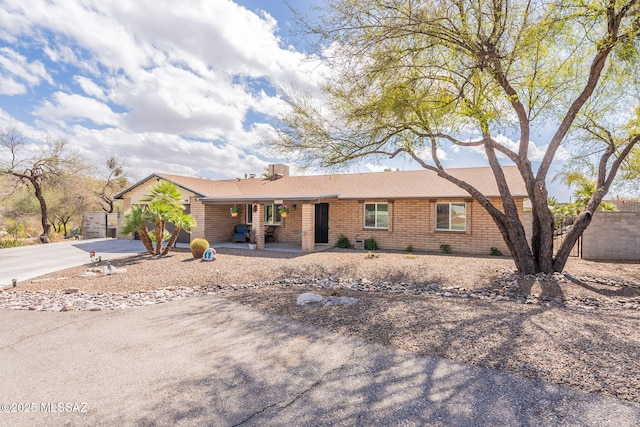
254 198
157 176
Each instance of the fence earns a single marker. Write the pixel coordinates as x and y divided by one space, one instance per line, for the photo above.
101 225
612 236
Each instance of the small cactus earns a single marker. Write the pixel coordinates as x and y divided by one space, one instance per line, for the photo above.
198 246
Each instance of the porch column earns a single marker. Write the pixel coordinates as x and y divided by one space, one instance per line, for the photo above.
258 225
197 212
308 227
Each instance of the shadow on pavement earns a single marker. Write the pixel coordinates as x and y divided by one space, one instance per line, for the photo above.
266 370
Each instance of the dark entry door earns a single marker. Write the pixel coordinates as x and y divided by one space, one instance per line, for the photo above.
322 223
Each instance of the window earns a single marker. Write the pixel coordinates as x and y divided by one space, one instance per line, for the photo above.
249 211
271 214
376 215
451 216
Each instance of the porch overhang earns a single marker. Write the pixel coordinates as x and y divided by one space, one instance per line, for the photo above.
251 199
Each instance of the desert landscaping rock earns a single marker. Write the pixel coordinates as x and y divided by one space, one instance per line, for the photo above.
310 298
506 289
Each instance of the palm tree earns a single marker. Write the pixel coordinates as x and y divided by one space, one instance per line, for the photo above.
585 188
181 221
165 201
136 221
164 205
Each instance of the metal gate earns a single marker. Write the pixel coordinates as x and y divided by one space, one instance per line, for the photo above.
561 226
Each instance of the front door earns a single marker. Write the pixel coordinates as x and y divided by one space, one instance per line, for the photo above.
322 223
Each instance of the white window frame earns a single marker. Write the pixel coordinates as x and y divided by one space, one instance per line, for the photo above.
249 213
450 217
276 214
375 226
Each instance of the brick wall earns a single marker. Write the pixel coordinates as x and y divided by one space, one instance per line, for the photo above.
612 236
308 219
217 224
291 226
197 211
412 222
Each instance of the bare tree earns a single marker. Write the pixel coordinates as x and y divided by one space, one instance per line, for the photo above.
37 166
110 183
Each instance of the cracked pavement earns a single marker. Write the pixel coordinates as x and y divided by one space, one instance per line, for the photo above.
209 361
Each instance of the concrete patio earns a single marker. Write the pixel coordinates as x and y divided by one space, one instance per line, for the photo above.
272 246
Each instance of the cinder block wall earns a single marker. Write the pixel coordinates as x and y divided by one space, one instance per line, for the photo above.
612 236
94 225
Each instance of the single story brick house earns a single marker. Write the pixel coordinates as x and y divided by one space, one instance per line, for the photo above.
397 208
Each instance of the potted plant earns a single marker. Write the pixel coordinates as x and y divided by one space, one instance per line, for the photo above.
284 210
233 211
252 236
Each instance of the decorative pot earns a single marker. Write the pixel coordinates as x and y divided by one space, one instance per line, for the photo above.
252 246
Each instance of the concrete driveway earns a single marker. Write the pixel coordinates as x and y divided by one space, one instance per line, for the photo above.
209 361
26 262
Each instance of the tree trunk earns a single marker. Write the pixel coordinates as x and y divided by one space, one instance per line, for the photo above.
515 237
146 240
159 234
172 240
44 218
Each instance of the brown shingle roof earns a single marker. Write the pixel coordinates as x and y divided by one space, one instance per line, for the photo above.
378 185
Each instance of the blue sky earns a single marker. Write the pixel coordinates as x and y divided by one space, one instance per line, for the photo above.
175 87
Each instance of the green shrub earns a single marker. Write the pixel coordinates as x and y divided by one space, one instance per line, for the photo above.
445 249
343 242
409 248
165 236
17 230
370 244
496 251
198 246
9 243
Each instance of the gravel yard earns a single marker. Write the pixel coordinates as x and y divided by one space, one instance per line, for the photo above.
580 329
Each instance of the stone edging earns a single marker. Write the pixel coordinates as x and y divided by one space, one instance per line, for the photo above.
504 288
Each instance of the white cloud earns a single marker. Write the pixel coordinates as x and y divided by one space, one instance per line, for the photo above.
66 107
371 167
535 153
160 152
90 87
182 87
17 72
8 86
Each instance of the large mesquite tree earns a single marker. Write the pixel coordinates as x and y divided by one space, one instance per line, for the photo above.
411 77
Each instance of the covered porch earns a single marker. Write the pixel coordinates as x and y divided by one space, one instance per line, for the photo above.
303 228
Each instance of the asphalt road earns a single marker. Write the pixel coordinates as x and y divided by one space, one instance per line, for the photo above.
26 262
209 361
